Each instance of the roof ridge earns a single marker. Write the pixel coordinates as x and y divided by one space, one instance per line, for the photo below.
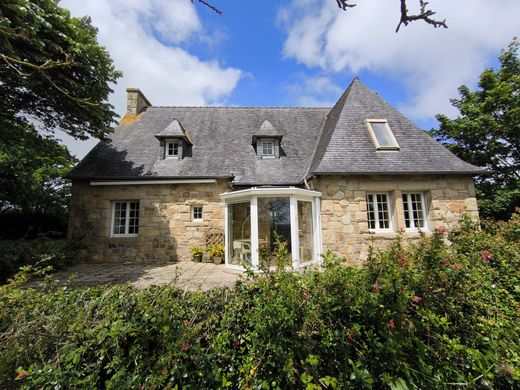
246 107
344 97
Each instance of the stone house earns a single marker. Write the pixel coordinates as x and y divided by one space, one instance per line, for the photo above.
322 179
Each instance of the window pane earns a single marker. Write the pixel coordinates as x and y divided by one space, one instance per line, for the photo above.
305 231
119 218
370 212
382 134
273 220
414 212
239 230
133 222
197 212
406 211
267 148
383 215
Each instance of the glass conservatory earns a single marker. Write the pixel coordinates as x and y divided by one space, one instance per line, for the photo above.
256 217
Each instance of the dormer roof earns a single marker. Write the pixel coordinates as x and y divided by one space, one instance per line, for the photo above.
267 130
174 130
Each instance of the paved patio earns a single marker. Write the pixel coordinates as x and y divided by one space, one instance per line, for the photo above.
189 276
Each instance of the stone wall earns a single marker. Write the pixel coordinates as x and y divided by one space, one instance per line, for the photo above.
344 210
166 231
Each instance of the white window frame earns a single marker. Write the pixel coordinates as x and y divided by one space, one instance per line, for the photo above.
268 141
251 196
390 228
412 227
127 218
394 147
172 142
193 217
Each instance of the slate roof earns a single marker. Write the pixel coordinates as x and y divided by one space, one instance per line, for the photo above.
315 141
345 145
222 147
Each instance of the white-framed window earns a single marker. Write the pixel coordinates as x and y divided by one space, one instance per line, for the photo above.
415 211
172 148
378 212
125 218
267 148
196 213
382 135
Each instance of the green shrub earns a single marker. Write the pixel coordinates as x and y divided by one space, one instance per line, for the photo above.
40 252
428 315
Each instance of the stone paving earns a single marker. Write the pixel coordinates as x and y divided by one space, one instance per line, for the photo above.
188 276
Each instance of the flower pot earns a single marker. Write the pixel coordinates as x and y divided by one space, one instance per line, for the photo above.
197 257
217 260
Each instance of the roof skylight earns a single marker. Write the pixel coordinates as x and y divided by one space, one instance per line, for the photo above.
382 135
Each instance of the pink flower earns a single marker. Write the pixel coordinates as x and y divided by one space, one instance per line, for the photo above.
391 325
456 266
186 347
186 322
29 266
416 299
442 229
376 287
22 374
486 256
351 334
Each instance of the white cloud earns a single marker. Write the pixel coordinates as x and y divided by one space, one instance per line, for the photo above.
317 91
143 38
430 62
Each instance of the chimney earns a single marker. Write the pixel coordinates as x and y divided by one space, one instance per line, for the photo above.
136 102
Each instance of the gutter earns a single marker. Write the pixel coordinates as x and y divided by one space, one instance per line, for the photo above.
149 182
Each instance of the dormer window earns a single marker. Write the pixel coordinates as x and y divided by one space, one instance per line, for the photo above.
172 149
382 135
174 141
267 148
267 141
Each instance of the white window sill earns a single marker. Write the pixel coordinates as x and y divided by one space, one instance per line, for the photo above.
378 231
123 235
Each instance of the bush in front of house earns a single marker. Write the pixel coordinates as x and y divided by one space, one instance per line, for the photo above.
418 316
39 252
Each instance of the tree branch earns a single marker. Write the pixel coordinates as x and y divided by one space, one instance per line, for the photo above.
423 14
343 4
210 6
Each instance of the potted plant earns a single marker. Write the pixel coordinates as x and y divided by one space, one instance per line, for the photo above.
196 253
216 252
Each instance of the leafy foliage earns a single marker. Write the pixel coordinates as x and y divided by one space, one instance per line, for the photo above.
487 133
36 253
419 315
53 75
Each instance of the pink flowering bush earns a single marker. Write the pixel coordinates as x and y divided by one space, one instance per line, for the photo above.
423 315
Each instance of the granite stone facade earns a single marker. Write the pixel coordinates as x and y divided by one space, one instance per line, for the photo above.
344 208
166 229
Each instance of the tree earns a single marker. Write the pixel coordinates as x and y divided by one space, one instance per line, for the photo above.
53 75
487 133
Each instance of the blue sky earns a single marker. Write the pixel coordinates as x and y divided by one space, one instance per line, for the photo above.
296 52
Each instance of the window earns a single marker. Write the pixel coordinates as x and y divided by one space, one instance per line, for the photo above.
196 213
267 148
382 134
378 212
172 149
414 211
125 218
